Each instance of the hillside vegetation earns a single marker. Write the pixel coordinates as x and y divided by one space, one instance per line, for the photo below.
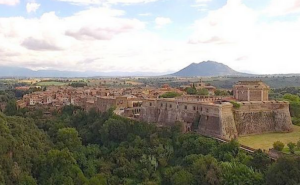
76 147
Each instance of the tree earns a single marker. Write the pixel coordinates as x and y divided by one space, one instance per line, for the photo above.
191 90
11 108
170 95
278 146
286 171
291 97
236 173
115 130
292 147
68 138
221 93
60 167
27 180
260 160
203 92
182 177
98 180
206 170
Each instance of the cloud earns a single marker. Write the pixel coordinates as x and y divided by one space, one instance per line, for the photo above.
236 30
98 2
279 7
95 33
201 5
32 7
9 2
162 21
202 1
38 45
229 24
145 14
104 39
100 24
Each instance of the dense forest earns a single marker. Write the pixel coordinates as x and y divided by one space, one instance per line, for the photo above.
90 148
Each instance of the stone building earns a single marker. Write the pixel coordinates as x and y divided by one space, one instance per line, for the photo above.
218 118
251 91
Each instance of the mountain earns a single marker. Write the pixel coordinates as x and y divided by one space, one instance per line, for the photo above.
6 71
208 68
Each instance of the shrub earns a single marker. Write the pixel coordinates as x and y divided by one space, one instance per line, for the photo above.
278 146
298 144
235 104
170 95
292 147
296 121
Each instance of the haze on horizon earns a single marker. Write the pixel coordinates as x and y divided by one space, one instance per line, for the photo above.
150 35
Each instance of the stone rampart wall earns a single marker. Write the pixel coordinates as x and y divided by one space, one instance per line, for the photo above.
220 120
259 117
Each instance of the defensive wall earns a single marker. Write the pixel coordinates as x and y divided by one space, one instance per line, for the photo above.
219 119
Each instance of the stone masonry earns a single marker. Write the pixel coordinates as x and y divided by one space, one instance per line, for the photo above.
219 118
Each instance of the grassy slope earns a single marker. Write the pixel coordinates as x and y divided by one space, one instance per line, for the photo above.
265 141
50 83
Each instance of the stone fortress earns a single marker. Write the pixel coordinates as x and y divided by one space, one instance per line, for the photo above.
248 112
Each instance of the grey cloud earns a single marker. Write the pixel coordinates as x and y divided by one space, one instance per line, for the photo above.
212 40
98 33
39 45
241 58
90 60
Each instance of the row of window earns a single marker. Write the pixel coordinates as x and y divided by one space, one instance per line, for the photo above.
185 107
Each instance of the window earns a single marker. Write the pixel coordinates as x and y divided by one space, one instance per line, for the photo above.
170 106
194 108
185 107
150 104
161 105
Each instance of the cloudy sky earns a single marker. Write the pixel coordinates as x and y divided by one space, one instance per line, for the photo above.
259 36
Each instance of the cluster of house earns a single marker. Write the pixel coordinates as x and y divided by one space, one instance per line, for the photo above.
251 113
126 100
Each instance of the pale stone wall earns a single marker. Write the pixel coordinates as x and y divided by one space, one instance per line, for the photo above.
220 120
214 119
103 103
259 117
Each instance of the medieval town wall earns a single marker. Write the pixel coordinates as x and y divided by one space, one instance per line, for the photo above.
220 120
208 116
262 117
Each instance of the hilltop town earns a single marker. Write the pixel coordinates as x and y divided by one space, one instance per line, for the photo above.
248 111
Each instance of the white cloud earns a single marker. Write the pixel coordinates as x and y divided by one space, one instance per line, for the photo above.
97 2
32 7
99 33
280 7
9 2
162 21
201 5
145 14
102 39
202 1
234 34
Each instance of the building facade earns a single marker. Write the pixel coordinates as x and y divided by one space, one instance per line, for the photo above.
251 91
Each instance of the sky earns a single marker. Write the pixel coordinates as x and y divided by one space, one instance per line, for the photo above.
157 36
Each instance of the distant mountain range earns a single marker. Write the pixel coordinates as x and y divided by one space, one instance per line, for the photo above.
206 69
202 69
24 72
